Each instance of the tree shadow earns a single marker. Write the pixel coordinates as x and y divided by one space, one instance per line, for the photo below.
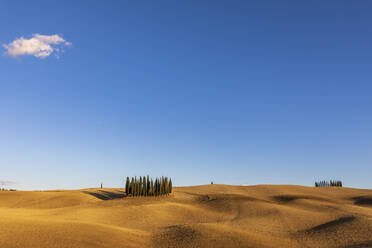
365 244
333 223
106 195
363 200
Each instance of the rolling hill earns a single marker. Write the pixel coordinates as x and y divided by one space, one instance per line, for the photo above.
199 216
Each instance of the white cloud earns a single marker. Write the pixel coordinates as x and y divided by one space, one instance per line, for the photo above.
40 46
4 183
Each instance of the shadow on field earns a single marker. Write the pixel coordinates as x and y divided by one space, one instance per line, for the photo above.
106 195
333 223
360 245
363 200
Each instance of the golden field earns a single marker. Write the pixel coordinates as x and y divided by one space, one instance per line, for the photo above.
200 216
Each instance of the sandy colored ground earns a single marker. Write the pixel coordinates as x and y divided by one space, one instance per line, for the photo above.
201 216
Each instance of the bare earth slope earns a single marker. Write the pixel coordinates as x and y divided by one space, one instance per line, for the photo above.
201 216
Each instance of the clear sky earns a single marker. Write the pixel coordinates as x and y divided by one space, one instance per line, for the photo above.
238 92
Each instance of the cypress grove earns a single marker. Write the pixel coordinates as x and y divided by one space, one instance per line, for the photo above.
331 183
146 186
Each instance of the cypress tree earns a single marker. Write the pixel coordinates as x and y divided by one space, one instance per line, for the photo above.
135 186
166 186
156 187
144 186
170 185
152 188
148 185
127 186
159 186
131 186
140 186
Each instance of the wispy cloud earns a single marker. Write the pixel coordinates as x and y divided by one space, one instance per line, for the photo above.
40 46
3 183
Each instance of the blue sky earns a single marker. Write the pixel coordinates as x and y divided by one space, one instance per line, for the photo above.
238 92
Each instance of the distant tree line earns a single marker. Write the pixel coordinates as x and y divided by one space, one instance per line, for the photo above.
330 183
146 186
4 189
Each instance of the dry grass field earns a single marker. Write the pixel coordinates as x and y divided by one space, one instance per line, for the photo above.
200 216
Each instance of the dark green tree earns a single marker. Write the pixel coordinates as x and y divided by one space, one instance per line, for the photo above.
140 186
135 186
131 186
166 186
144 186
138 189
162 186
148 185
127 186
170 185
152 188
156 187
159 186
